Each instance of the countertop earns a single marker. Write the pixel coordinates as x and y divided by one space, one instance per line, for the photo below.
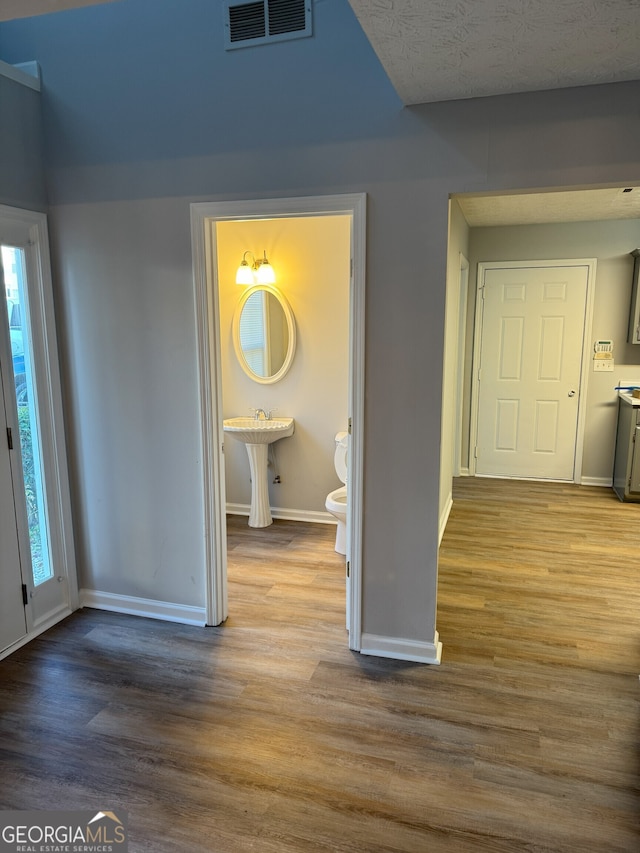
626 396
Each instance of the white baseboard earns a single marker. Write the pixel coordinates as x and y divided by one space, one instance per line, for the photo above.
464 472
152 609
401 649
605 482
287 514
444 517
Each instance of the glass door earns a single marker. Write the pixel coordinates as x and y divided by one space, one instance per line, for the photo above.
24 385
38 493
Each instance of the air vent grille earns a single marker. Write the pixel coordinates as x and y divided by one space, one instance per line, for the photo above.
263 21
247 21
286 16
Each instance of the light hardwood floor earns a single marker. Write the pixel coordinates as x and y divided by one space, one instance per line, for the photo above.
268 735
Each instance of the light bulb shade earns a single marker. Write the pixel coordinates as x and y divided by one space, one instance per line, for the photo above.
244 274
265 274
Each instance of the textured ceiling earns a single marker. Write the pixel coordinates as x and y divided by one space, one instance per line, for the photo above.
436 50
10 9
538 208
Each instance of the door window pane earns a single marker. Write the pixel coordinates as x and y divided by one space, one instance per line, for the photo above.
13 263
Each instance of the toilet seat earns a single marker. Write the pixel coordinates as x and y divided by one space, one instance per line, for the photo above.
337 501
340 455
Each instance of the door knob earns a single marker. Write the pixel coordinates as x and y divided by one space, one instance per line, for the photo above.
572 393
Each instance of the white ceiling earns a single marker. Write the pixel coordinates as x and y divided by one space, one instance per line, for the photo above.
545 207
436 50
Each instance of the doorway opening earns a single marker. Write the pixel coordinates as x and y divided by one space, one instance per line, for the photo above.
221 235
600 223
532 226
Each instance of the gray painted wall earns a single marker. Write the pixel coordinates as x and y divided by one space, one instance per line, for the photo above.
124 291
124 278
121 189
22 178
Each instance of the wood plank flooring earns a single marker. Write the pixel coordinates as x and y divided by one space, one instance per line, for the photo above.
268 735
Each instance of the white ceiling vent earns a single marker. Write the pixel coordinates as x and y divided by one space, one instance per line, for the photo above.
263 21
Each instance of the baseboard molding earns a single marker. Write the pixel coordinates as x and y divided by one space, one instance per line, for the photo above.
444 517
43 625
287 514
605 482
150 608
464 472
401 649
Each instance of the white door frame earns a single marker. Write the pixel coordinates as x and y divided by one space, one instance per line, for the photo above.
591 264
56 598
203 239
463 291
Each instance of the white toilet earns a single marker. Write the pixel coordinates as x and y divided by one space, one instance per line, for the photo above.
336 502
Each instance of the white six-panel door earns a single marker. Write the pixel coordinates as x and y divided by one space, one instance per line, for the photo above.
530 364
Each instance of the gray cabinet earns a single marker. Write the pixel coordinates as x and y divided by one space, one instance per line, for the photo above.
626 467
634 314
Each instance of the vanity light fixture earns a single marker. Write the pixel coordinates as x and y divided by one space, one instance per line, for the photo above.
258 272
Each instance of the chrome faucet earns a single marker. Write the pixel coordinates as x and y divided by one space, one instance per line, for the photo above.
260 414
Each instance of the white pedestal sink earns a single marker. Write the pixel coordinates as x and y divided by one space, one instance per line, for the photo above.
257 435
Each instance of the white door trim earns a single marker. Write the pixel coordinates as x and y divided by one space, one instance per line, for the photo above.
57 597
463 291
203 238
591 264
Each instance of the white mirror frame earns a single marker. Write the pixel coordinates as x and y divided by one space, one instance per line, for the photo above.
291 328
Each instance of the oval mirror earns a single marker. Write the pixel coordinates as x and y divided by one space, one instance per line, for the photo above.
264 333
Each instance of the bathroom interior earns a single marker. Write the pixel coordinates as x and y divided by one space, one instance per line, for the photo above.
310 258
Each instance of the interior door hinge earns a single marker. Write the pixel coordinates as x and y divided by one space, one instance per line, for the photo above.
349 426
9 438
25 597
348 569
475 452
